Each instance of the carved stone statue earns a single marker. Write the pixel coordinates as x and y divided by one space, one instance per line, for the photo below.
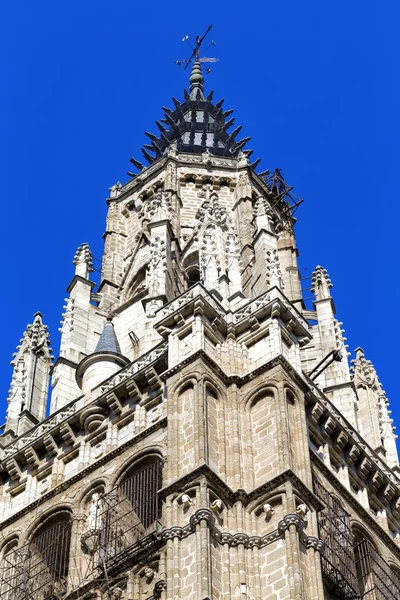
94 517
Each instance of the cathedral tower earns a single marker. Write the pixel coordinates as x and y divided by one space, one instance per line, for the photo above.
207 438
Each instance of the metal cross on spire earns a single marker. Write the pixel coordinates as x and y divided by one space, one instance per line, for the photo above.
195 56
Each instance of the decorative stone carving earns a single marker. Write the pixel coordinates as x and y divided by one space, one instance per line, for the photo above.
302 510
289 520
186 501
94 520
152 307
91 418
321 283
94 523
30 378
156 206
211 207
274 273
67 324
315 543
268 510
148 574
115 190
217 506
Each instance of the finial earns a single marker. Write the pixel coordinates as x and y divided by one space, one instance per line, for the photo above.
83 261
196 80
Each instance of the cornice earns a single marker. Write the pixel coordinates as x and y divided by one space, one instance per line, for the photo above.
327 408
77 278
364 514
98 463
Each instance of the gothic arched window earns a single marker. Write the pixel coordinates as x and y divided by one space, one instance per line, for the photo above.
9 571
376 578
48 556
132 509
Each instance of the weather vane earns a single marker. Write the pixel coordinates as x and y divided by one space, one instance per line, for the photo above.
195 57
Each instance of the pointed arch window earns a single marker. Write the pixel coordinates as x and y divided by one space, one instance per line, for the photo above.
40 569
376 578
131 511
9 572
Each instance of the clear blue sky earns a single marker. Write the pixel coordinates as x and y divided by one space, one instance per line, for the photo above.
316 85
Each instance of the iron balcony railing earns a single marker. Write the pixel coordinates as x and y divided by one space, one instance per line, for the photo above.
129 515
376 579
337 558
39 570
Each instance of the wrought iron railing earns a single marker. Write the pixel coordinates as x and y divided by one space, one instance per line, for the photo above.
376 579
129 514
337 558
39 570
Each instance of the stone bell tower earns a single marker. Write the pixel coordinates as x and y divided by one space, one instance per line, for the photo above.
207 439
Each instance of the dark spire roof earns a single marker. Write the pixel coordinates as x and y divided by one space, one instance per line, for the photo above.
195 125
108 341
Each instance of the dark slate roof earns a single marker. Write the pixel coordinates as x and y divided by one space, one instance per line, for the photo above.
108 341
195 125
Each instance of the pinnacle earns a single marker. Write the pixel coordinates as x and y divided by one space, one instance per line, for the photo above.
36 337
83 260
321 283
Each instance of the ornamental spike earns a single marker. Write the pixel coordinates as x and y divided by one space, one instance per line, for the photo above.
137 164
255 164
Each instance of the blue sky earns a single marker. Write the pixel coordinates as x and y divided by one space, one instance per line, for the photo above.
314 83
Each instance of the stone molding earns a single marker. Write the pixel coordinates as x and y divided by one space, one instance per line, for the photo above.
236 539
315 543
144 361
288 520
39 430
341 424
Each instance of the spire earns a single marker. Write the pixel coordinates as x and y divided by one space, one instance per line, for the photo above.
196 82
83 261
321 284
30 379
196 125
108 341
